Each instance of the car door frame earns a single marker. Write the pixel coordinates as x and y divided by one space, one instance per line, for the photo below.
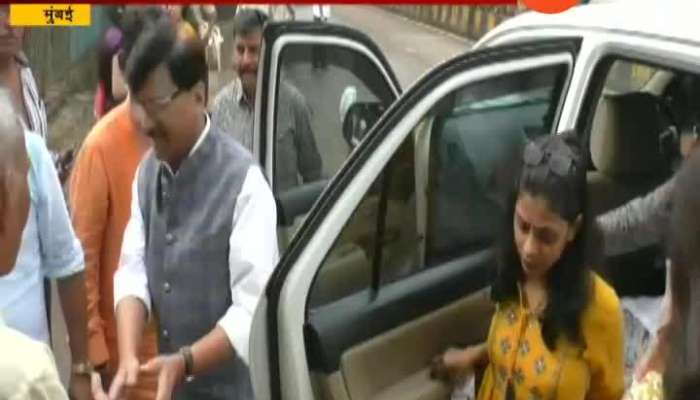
599 44
269 365
276 35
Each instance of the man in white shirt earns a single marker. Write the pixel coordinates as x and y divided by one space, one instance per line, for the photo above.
27 367
48 249
201 242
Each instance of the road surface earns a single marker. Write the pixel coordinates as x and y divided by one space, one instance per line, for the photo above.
411 48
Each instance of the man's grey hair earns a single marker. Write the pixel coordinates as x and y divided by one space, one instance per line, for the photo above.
12 147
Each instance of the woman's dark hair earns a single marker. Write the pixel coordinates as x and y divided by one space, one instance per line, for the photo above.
682 379
159 44
555 170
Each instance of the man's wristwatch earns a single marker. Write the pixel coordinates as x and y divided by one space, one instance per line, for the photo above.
82 368
186 353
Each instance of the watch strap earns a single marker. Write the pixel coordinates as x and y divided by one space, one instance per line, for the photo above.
82 368
189 360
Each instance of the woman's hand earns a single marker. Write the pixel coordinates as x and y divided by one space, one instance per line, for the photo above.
455 363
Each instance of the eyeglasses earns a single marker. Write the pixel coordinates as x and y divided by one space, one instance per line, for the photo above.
558 163
157 104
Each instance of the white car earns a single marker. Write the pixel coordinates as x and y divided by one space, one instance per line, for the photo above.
387 259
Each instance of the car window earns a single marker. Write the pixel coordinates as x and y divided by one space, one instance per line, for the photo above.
440 195
474 148
320 86
328 97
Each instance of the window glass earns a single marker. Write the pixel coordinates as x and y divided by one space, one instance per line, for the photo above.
328 97
459 157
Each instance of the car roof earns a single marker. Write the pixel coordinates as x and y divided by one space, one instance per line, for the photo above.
670 19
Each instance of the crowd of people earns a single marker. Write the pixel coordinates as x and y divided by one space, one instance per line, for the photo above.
195 174
165 196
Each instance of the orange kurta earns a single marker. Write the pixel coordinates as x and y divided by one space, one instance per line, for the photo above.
100 197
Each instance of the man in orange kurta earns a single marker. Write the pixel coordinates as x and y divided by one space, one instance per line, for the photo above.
100 193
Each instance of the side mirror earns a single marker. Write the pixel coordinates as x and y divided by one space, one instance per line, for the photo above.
359 118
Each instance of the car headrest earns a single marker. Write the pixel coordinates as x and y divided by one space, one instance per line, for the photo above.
625 135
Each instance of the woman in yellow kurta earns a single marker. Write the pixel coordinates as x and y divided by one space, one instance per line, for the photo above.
557 331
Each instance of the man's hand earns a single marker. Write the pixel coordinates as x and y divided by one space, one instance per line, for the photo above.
79 387
98 392
171 371
127 375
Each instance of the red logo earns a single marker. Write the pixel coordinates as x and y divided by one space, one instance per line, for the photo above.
550 6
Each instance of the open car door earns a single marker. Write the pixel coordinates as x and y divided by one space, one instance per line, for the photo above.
393 263
322 87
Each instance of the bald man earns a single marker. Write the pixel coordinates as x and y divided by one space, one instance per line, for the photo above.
27 368
41 244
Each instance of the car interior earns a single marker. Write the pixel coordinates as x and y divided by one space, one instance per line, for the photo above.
634 148
408 276
417 243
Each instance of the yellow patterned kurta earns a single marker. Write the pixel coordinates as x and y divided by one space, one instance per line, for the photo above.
517 353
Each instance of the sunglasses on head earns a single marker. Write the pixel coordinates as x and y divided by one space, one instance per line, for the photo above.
557 162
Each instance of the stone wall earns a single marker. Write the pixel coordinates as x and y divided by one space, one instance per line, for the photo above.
471 22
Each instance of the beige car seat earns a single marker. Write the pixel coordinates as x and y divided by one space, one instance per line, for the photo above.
625 150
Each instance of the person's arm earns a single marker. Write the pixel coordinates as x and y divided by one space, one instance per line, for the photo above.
71 291
467 358
89 210
654 359
62 259
131 298
456 363
639 223
251 262
119 90
308 157
131 315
